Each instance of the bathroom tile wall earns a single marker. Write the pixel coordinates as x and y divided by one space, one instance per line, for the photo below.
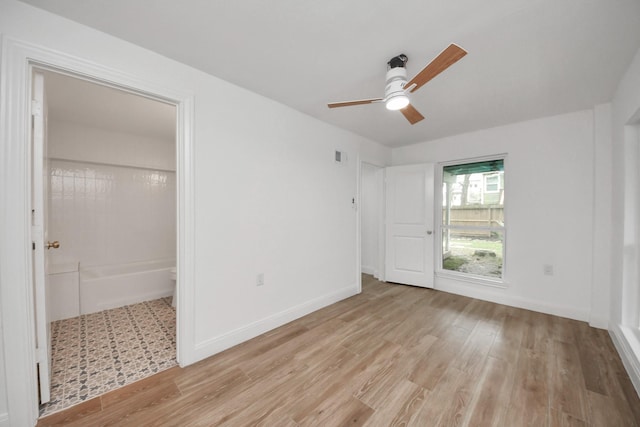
108 214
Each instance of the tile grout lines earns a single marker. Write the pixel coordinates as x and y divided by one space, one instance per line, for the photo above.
99 352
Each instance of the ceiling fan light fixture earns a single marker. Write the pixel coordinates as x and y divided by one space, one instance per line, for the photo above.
397 102
397 88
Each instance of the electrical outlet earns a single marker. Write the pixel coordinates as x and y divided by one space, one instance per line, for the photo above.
260 279
548 270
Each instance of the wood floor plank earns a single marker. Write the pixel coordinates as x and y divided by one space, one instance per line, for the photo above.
339 410
393 355
568 390
475 312
607 411
75 413
351 377
509 338
318 380
529 403
590 360
124 409
149 384
472 356
405 400
448 402
378 389
428 371
631 396
492 396
561 419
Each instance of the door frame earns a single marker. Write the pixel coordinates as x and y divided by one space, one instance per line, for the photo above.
16 279
381 217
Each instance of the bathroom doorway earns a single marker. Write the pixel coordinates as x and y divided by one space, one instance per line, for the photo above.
110 178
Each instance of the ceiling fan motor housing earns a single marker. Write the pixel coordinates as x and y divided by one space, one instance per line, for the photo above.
396 79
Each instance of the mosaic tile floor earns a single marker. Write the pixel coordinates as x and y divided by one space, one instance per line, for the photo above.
96 353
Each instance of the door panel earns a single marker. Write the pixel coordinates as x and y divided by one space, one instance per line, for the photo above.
409 253
408 209
409 225
40 235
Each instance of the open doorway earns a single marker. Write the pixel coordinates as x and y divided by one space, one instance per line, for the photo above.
109 174
372 220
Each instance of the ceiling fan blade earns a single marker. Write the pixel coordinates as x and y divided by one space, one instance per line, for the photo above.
447 58
411 114
350 103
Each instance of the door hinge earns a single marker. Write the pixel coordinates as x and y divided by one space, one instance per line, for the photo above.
33 246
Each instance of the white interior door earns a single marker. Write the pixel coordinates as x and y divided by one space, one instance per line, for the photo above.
409 225
39 235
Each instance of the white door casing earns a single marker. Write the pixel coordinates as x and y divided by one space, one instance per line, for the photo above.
17 302
39 234
409 237
371 211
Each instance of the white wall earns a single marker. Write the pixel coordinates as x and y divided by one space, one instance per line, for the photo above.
269 197
625 118
549 177
76 141
602 211
4 415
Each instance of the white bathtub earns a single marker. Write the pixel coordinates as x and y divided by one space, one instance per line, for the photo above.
111 286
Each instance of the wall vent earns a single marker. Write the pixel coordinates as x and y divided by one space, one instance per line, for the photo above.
340 157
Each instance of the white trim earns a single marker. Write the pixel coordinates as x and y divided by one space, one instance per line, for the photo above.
382 238
15 252
499 296
358 207
4 420
628 346
598 322
472 278
16 296
252 330
185 273
368 270
380 250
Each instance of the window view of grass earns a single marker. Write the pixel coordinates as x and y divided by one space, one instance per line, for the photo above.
473 224
481 256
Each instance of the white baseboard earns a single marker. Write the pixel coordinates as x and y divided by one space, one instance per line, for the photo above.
217 344
599 322
367 270
487 293
629 350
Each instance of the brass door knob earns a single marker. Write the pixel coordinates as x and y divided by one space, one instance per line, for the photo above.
55 244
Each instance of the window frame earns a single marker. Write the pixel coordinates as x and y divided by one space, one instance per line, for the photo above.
499 282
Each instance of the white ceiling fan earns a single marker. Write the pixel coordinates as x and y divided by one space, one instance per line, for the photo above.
397 89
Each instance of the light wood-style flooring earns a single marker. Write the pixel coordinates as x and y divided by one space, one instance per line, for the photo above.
393 355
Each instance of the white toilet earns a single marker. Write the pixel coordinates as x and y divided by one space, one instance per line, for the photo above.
172 273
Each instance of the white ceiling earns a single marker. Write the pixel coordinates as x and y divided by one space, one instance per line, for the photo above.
527 58
79 101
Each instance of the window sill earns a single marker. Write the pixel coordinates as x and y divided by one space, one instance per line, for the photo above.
476 280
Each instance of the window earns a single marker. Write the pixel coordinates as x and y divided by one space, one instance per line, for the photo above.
472 227
492 183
